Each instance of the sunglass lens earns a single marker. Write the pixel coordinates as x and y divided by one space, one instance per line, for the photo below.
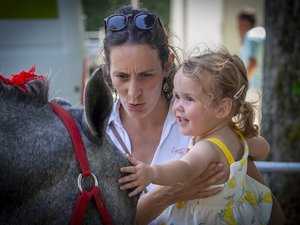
145 21
116 22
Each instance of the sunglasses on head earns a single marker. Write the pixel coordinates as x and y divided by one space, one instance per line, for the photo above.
142 21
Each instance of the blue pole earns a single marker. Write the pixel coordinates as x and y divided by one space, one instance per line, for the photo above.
289 167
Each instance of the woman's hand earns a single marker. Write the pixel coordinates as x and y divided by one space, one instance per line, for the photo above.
197 188
154 202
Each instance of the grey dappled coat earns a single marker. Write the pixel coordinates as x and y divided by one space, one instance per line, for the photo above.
38 168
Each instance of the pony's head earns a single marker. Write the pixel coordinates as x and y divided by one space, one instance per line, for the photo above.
37 155
29 88
25 86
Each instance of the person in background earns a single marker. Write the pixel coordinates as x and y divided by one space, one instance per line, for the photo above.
211 87
139 62
252 39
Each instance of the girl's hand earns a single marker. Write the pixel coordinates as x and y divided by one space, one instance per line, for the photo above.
141 175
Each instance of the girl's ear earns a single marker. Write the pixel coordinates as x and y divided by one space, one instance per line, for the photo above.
170 63
224 108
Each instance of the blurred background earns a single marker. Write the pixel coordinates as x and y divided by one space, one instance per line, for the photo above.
63 39
61 36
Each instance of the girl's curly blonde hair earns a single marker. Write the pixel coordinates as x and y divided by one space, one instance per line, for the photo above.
229 80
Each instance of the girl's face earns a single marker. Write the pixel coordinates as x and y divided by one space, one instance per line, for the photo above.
192 105
137 75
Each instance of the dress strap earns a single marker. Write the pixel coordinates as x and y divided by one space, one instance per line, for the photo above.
241 136
224 149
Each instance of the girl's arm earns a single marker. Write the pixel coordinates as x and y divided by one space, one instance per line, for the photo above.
258 148
151 205
188 167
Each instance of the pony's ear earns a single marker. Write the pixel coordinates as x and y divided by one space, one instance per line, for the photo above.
97 105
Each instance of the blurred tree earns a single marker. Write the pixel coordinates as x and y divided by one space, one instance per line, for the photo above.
281 99
96 10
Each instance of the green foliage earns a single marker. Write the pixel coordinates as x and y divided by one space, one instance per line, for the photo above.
160 8
296 86
96 10
29 9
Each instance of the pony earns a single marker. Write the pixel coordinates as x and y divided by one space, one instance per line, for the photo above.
38 168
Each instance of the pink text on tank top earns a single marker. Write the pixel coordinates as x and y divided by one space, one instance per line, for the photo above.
179 151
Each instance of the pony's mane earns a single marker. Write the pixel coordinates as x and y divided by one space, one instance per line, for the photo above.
25 87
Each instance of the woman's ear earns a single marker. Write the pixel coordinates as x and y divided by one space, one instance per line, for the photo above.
170 63
224 108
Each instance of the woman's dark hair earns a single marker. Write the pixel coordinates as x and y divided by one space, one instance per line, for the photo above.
155 37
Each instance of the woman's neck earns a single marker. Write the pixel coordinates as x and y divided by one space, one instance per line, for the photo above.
145 133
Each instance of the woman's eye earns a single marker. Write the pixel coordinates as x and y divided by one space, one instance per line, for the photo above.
175 96
122 76
146 75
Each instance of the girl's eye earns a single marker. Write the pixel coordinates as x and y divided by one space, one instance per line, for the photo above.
189 99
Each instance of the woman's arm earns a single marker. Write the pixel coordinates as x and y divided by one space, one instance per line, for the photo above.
258 148
277 215
154 202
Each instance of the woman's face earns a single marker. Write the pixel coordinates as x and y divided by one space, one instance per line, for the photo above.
137 75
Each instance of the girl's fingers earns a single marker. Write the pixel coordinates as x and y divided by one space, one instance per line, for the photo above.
125 186
132 160
129 178
128 186
136 191
128 169
132 184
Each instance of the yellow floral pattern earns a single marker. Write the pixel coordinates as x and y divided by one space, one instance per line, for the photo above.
228 216
250 197
232 182
268 197
244 201
180 205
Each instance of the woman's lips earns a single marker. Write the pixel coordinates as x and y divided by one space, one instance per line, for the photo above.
135 106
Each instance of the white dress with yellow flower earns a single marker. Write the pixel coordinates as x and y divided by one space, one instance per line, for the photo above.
243 201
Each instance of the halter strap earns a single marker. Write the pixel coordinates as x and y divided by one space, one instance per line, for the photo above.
85 196
117 135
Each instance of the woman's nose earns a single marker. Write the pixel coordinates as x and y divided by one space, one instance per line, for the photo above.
134 89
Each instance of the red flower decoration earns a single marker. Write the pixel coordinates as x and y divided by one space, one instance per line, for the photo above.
22 78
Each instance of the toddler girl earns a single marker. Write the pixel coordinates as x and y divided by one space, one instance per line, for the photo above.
210 105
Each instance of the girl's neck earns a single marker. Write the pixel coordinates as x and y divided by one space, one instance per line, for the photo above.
216 131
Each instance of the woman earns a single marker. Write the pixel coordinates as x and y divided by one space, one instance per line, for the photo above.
140 65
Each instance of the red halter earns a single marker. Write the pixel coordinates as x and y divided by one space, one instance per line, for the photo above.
85 196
